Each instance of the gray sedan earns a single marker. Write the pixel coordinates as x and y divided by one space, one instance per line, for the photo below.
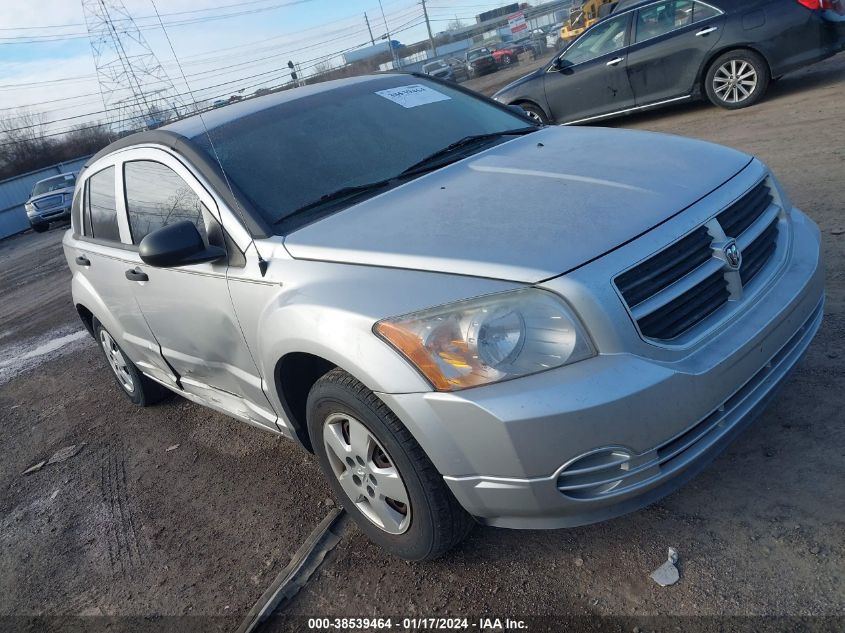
464 316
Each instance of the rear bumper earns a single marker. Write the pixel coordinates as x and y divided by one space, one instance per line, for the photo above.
507 451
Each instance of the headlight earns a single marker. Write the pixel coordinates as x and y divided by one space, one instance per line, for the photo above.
489 339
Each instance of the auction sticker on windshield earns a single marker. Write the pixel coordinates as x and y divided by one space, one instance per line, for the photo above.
413 95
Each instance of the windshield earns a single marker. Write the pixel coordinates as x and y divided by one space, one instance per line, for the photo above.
291 154
53 184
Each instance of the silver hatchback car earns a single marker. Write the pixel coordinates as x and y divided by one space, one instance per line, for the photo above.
464 316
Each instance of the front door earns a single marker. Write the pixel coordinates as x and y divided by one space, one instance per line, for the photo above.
670 41
590 79
188 308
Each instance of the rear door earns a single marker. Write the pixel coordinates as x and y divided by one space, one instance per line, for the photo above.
671 39
100 257
188 308
590 77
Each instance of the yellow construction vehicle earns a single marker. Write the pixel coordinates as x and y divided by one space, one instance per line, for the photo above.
583 16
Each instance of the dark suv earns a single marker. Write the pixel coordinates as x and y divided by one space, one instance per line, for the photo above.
50 201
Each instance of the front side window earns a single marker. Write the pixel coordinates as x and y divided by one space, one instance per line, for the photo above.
101 206
664 17
606 37
157 196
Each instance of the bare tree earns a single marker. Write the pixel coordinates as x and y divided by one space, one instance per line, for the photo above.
26 144
22 142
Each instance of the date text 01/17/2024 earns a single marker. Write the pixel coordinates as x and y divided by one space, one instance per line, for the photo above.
417 624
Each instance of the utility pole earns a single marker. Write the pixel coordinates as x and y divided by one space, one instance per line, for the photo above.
428 26
367 20
389 39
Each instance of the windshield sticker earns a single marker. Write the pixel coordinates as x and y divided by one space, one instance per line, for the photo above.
413 95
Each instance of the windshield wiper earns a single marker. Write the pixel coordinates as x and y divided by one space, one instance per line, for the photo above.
434 160
343 193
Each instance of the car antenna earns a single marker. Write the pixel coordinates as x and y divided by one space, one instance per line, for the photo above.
262 263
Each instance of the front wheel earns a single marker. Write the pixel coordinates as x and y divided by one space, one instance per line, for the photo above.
737 79
379 472
40 228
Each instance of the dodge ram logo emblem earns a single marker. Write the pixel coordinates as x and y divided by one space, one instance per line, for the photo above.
732 255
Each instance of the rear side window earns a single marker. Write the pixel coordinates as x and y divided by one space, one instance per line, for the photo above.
157 196
101 207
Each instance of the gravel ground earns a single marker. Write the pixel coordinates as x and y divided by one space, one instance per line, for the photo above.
128 527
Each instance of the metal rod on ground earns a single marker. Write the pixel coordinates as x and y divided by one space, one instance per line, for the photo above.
304 563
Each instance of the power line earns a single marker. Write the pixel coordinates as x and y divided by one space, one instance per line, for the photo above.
316 61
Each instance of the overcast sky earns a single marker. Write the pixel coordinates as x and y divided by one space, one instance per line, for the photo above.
224 45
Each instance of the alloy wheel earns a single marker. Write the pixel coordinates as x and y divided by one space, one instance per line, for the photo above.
117 361
735 81
366 473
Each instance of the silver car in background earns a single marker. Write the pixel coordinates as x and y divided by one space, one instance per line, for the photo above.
465 316
50 201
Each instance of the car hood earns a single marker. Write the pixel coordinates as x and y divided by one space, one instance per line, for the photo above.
528 209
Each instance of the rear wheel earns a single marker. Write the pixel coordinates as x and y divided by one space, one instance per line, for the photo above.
737 79
137 387
379 472
534 113
40 228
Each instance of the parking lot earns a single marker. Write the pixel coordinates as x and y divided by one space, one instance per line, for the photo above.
177 510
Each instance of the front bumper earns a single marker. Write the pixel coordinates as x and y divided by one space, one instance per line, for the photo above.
507 450
45 216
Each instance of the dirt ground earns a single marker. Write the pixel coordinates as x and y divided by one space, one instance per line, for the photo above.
131 526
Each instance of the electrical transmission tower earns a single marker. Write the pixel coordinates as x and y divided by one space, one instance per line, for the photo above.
136 90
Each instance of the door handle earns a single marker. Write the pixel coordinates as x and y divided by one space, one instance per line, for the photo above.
706 31
615 61
83 261
136 274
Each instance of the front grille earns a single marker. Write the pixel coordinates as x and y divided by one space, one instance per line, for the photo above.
759 252
49 202
741 214
693 306
655 274
673 291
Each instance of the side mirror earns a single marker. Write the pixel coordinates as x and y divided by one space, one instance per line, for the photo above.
177 244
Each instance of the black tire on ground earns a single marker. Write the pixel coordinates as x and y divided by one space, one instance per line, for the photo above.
437 521
719 78
144 392
40 228
535 112
509 60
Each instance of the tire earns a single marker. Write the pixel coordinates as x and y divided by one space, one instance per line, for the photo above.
40 228
359 441
508 60
534 112
138 388
732 75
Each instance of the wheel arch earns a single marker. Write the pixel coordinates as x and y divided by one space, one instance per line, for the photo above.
525 100
293 377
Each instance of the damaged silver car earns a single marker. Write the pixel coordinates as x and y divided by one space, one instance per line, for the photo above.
464 315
